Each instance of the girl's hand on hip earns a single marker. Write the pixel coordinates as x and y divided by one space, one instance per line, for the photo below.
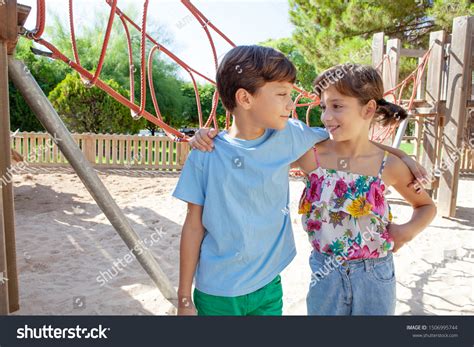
397 233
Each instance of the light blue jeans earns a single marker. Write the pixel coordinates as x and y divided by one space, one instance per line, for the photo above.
353 287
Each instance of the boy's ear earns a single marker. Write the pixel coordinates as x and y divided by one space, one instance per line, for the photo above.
370 109
243 98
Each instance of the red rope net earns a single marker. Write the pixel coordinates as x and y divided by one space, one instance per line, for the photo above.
380 134
146 63
137 111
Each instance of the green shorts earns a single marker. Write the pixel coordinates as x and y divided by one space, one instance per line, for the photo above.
266 301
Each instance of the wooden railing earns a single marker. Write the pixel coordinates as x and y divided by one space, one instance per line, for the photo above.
109 151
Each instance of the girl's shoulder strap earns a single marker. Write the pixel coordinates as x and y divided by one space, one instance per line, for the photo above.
382 166
316 156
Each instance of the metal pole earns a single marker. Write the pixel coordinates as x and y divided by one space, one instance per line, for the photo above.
47 115
400 132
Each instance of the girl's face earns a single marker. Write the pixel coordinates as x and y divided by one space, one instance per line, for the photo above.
343 116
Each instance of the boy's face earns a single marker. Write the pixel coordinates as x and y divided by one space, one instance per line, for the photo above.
271 105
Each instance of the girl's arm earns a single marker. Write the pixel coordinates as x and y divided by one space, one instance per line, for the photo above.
399 176
191 239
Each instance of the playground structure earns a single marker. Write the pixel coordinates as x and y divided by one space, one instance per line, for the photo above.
441 104
13 16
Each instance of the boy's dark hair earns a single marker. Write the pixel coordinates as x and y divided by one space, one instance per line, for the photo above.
250 67
364 83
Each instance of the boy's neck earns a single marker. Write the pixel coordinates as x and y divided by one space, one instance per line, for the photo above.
242 128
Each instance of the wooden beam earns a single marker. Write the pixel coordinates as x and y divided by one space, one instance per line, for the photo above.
390 80
7 187
391 66
22 15
420 91
377 49
459 68
471 77
412 53
8 35
8 20
4 310
431 140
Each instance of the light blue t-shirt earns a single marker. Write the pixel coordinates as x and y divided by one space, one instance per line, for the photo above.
243 186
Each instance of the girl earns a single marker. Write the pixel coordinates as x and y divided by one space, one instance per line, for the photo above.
343 207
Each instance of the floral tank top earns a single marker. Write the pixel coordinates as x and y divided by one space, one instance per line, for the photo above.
346 214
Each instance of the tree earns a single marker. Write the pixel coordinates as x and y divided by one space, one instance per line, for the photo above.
47 72
165 81
306 74
206 92
331 32
91 109
443 12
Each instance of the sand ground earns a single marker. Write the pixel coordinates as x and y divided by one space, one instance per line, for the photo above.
66 249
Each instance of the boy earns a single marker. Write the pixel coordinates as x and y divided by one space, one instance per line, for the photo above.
237 231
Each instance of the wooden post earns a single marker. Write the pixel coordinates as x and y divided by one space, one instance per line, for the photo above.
377 49
89 148
421 90
391 66
8 34
431 140
420 95
4 306
390 80
456 107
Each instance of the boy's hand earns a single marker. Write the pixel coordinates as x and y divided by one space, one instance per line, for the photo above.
186 306
397 233
203 139
420 173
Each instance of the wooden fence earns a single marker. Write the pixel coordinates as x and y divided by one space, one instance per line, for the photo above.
108 151
147 152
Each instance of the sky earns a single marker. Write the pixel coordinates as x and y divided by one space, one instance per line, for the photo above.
243 21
